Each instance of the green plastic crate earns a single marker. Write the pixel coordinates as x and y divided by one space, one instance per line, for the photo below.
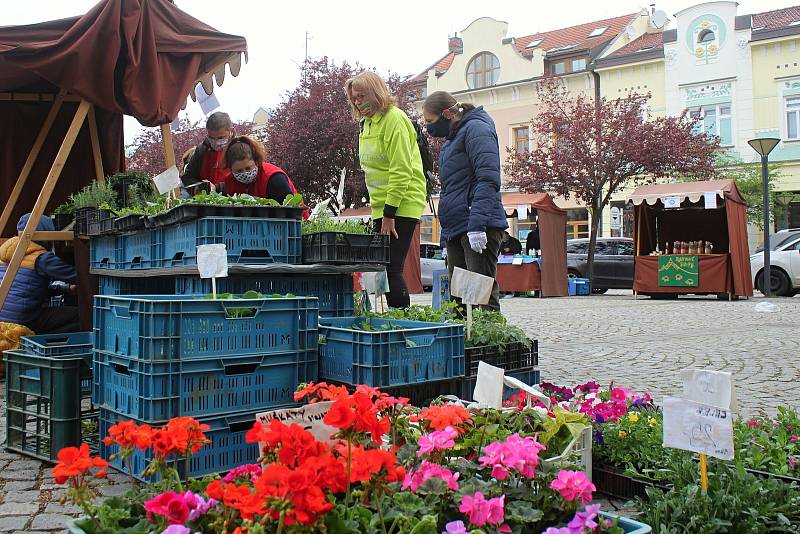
48 403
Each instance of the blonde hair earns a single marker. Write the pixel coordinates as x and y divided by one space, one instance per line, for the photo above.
375 92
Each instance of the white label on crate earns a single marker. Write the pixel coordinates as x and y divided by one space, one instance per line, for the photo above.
489 385
701 428
709 387
309 417
167 180
212 261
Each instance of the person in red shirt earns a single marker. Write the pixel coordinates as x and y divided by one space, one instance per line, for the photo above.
207 164
250 174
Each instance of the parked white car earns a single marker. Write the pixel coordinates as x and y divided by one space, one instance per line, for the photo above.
784 264
430 259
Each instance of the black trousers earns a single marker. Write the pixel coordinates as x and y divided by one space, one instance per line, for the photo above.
398 249
59 320
460 254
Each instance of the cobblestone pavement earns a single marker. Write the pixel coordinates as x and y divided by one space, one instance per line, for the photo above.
643 343
640 344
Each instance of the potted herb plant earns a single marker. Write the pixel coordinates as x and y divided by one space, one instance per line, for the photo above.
344 242
93 203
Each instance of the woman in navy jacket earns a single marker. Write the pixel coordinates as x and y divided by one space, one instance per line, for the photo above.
471 211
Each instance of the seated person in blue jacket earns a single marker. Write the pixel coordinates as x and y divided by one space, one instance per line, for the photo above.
41 273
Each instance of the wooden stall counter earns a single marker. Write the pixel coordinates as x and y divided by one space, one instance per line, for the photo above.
714 275
519 278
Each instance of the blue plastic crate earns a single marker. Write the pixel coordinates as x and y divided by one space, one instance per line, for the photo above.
581 286
103 253
414 352
572 288
247 241
177 327
199 388
528 376
139 250
137 285
628 525
228 447
76 343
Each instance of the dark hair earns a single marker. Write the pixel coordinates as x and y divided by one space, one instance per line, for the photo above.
439 101
218 121
241 148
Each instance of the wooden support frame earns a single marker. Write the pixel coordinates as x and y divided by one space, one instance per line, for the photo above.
44 197
97 155
26 168
169 153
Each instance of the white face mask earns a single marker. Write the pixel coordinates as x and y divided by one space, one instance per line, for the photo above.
246 177
218 144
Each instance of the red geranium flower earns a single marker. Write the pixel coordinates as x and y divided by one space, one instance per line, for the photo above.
74 462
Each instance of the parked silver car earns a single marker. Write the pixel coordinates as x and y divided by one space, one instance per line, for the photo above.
430 259
784 262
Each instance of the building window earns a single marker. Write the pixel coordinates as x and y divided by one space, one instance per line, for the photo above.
578 64
557 68
483 70
427 229
793 117
705 36
715 120
521 140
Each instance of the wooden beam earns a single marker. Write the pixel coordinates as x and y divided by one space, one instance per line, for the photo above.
34 153
49 236
43 199
96 154
169 152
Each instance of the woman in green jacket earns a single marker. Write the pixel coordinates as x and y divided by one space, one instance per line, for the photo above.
390 157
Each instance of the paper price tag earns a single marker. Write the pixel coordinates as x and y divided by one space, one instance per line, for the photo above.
714 388
212 261
167 180
671 202
489 385
473 288
710 198
309 417
697 427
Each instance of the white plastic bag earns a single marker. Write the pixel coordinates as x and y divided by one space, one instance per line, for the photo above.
765 307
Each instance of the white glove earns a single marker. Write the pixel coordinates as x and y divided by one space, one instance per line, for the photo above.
477 241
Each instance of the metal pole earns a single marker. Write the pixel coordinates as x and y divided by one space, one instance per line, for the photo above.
766 280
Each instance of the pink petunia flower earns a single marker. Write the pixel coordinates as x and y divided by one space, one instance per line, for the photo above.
415 478
794 438
573 485
481 511
437 441
586 519
619 395
515 453
455 527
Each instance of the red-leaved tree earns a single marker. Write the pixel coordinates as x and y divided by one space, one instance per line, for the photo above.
313 137
591 149
147 155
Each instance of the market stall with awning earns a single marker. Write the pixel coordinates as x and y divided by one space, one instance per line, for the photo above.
547 274
65 85
691 237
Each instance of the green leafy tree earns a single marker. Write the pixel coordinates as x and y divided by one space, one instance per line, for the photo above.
748 179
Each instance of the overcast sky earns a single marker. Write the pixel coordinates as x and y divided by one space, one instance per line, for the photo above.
405 40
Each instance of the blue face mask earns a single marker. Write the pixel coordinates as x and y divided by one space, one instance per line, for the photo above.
440 128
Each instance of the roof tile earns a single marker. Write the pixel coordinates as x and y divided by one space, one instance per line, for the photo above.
779 18
575 35
643 43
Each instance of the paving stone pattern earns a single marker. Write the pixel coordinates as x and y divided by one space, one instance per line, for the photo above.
640 344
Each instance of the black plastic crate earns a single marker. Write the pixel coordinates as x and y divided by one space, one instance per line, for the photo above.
84 218
129 223
190 212
613 483
511 357
107 226
62 220
528 376
342 248
422 394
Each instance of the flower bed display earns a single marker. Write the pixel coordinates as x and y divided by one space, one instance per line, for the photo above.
387 468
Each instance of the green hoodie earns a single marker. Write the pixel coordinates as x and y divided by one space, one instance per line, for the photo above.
387 148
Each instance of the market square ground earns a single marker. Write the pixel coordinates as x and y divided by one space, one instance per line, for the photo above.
640 344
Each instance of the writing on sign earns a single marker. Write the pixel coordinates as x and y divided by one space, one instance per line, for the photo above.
697 427
710 198
709 387
309 417
671 202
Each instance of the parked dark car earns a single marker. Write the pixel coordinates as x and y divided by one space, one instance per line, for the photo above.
613 262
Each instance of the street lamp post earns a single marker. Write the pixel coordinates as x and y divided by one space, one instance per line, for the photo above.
764 146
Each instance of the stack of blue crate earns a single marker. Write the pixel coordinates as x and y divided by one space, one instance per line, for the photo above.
164 349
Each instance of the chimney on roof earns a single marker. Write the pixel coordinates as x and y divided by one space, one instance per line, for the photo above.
652 9
455 44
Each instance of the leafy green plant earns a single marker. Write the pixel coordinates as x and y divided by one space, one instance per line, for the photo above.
94 195
771 445
323 223
736 502
67 208
133 189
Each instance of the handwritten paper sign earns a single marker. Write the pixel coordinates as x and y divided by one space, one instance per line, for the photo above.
714 388
473 288
212 261
375 283
697 427
671 202
167 180
710 198
309 417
